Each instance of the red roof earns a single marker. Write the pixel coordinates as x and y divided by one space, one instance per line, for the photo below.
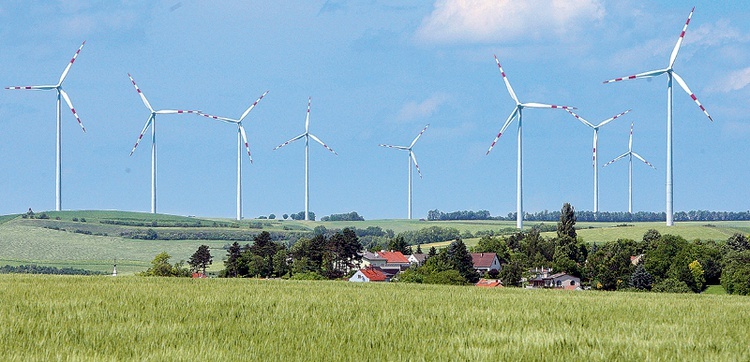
489 283
373 274
482 260
394 257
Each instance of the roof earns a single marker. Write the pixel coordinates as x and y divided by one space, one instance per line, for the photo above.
420 257
374 274
393 257
371 256
489 283
483 260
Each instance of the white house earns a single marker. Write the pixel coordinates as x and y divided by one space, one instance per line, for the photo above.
484 262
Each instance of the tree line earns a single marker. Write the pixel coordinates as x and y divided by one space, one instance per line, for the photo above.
590 216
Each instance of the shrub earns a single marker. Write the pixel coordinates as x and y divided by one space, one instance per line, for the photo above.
307 276
671 286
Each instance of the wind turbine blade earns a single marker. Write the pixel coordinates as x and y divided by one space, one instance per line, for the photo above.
695 99
32 87
252 106
613 118
145 127
288 142
307 117
507 83
67 68
585 122
176 111
396 147
616 159
542 105
630 142
679 40
507 123
419 135
414 158
593 155
643 159
651 73
67 100
244 138
223 119
143 97
323 144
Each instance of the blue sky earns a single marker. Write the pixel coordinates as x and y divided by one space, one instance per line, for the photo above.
377 72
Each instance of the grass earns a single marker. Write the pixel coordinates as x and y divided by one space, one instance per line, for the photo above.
132 318
715 290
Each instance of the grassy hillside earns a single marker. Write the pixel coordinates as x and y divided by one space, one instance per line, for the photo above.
134 318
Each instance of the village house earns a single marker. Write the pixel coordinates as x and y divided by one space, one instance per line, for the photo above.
369 274
544 279
417 259
489 283
484 262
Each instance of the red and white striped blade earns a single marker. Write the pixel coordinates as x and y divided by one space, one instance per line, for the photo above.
252 106
290 141
414 158
542 105
70 104
507 123
585 122
419 135
395 147
612 118
143 97
505 79
691 94
322 144
32 87
67 68
679 40
223 119
145 127
177 111
244 138
644 160
651 73
617 159
307 117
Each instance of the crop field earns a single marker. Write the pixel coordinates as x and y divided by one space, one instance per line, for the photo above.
138 318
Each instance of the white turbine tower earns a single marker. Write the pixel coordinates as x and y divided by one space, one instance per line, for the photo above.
409 161
596 142
671 74
60 93
241 136
630 155
307 135
518 111
151 121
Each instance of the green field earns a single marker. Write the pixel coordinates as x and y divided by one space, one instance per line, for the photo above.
43 242
135 318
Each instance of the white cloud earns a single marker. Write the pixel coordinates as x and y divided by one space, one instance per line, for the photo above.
413 110
719 33
733 81
502 20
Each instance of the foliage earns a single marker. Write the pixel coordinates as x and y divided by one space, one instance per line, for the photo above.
231 264
698 275
511 274
738 242
609 266
201 259
735 277
435 215
462 261
671 285
352 216
566 226
494 244
160 267
430 234
301 216
329 256
37 269
399 244
307 276
641 278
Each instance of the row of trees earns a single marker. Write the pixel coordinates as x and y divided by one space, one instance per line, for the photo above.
352 216
605 216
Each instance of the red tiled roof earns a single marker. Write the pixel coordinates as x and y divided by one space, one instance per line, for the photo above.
373 274
489 283
482 260
393 257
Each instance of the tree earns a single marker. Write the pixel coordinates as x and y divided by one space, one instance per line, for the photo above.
272 216
738 242
285 216
398 244
511 274
567 223
459 256
432 252
735 277
494 244
201 259
641 278
231 265
609 268
160 267
419 248
671 286
696 269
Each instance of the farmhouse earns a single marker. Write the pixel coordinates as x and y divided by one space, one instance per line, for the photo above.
557 281
369 274
484 262
417 259
372 259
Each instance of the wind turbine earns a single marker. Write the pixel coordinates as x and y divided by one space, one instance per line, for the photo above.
409 161
671 74
151 121
518 110
596 141
60 92
307 135
630 155
241 136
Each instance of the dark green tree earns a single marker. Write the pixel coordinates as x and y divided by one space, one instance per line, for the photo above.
462 262
160 267
201 259
432 252
567 224
735 276
419 248
641 278
231 265
511 274
398 244
738 242
494 244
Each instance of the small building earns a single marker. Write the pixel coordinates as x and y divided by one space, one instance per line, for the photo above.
372 259
557 281
489 283
370 274
417 259
484 262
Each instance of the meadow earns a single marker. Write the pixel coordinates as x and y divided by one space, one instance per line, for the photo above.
60 243
138 318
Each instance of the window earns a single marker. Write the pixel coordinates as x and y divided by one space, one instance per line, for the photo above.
572 282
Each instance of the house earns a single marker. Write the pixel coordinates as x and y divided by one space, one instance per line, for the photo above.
372 259
389 262
370 274
636 259
557 281
489 283
417 259
484 262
